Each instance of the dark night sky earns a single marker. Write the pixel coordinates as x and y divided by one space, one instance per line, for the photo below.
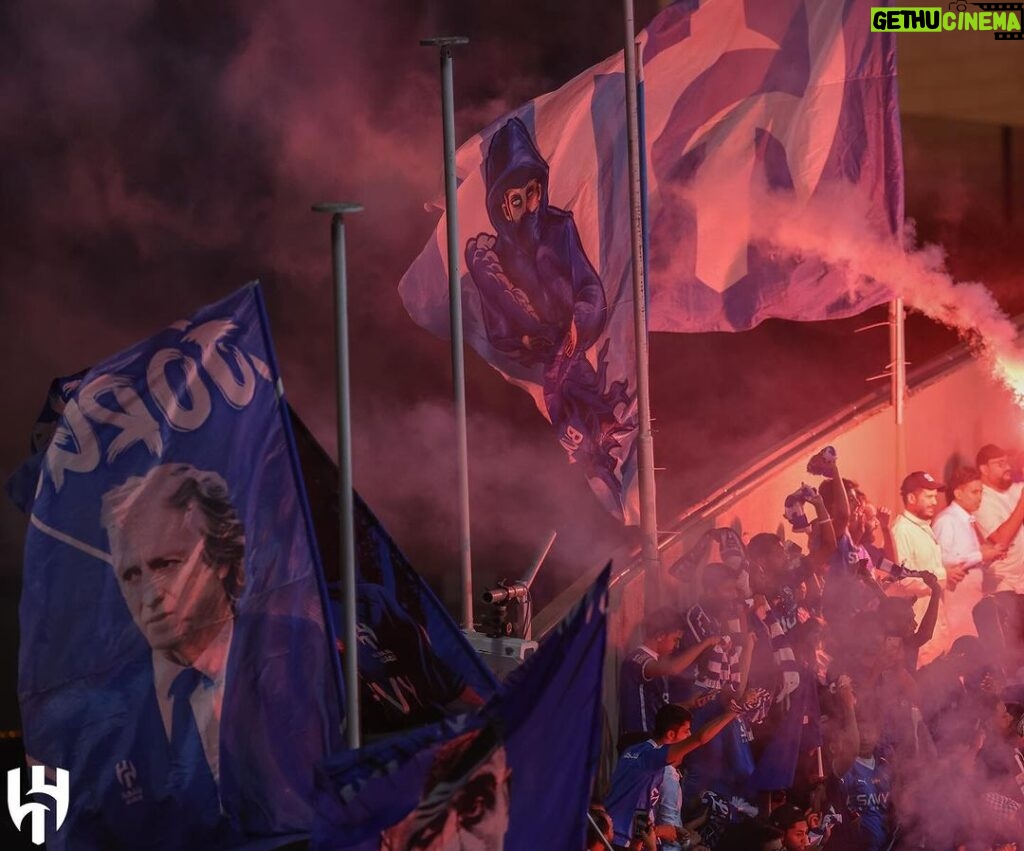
159 155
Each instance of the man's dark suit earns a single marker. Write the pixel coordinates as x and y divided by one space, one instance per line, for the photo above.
279 700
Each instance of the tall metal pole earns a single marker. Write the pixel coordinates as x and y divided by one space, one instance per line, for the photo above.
345 506
1006 144
898 355
645 439
445 45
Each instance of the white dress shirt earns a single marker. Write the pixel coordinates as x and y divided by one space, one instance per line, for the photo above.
958 539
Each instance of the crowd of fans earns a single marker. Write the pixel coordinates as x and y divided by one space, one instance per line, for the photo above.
865 691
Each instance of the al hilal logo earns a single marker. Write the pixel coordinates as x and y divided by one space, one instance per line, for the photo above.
58 791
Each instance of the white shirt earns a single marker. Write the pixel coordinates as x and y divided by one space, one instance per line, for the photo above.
957 537
1007 573
957 534
917 547
208 698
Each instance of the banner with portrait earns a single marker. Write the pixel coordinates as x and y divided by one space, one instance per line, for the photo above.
176 656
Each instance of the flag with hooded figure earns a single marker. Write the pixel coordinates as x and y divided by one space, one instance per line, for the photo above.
175 656
515 776
755 113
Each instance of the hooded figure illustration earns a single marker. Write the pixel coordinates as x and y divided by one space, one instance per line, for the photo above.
544 306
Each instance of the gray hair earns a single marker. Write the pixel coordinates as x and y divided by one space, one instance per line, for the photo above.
182 486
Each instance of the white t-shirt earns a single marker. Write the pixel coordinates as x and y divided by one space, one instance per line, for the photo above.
1006 573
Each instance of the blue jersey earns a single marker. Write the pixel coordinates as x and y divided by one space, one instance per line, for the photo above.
636 785
868 790
845 594
844 560
640 695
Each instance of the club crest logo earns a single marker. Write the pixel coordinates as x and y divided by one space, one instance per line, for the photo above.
58 790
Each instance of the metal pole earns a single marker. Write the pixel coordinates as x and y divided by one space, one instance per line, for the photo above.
1006 144
535 568
445 45
345 506
645 439
597 830
898 355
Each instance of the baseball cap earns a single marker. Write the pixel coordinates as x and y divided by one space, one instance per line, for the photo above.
920 481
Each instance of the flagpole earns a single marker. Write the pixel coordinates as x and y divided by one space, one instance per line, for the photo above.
898 356
641 136
345 502
645 440
445 45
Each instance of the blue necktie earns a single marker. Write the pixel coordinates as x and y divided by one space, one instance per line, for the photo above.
190 778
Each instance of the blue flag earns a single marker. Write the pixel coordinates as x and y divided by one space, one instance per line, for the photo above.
514 776
174 653
414 660
749 108
774 109
21 486
415 665
797 732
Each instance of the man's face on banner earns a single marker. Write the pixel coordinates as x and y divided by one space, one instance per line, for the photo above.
475 818
173 594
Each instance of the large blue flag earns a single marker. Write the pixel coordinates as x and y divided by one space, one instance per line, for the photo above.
415 665
753 111
174 653
514 776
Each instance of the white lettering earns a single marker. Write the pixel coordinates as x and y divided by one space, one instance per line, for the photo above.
184 414
398 685
571 440
73 430
366 635
133 419
178 384
208 336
